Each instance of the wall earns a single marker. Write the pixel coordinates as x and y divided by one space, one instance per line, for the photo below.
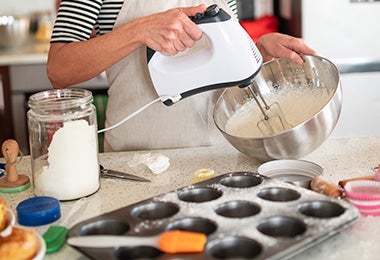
21 7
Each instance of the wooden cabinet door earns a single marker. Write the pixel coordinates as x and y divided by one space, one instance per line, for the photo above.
6 127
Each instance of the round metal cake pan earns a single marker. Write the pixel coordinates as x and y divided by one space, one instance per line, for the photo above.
297 172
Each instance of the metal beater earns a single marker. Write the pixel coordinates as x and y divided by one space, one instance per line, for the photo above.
274 120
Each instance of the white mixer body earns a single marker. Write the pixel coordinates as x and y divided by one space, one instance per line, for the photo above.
226 56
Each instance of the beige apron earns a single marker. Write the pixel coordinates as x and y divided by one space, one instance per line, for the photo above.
185 124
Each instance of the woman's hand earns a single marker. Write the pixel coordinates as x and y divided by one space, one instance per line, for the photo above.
277 45
171 31
168 32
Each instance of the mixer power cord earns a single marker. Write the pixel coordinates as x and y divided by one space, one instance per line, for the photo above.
133 114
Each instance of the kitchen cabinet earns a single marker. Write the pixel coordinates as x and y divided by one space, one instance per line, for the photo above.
24 73
6 127
289 13
28 79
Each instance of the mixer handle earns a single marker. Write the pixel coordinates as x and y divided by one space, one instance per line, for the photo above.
212 14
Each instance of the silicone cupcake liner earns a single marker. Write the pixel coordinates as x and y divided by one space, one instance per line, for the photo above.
369 203
366 207
366 190
370 212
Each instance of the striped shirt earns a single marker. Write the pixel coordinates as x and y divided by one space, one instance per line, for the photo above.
76 19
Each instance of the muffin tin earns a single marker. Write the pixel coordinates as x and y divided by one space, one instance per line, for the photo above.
244 215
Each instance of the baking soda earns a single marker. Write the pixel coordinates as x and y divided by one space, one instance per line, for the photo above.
73 170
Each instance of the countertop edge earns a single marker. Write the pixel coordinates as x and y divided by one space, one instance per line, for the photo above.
32 53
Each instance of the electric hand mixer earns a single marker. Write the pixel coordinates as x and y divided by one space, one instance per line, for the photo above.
227 58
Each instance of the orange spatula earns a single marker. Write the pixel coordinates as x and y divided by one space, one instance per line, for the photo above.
175 241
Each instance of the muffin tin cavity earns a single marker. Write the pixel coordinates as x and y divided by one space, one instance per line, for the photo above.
244 216
235 248
279 194
241 181
104 227
201 194
237 209
282 227
199 225
155 210
321 209
140 252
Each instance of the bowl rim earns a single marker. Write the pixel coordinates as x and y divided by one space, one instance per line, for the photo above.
337 88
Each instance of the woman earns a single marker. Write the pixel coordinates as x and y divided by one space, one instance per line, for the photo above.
120 48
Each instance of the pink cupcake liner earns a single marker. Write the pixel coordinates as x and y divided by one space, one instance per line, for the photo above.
364 202
377 174
370 212
366 190
366 207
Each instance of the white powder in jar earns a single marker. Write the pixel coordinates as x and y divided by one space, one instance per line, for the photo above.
73 169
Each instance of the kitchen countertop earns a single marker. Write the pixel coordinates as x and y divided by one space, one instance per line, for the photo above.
30 53
341 158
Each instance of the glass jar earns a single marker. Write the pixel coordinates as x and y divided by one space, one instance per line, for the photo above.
63 143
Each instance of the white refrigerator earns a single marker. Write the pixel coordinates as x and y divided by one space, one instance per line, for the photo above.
347 33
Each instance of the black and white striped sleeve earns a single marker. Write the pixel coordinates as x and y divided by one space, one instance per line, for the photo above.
76 20
233 6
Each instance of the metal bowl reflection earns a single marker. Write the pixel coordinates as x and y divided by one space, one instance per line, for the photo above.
309 95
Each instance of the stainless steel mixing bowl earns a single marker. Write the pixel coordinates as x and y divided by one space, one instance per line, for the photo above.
310 97
14 30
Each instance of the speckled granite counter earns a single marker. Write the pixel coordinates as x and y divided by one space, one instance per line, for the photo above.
341 159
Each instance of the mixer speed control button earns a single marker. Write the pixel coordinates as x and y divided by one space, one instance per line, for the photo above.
212 10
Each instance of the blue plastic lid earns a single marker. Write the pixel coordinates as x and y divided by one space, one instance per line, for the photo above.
38 211
2 169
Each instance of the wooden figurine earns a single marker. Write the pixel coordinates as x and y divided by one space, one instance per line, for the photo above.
12 181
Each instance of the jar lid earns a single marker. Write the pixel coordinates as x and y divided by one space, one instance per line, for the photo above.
38 211
298 172
2 169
